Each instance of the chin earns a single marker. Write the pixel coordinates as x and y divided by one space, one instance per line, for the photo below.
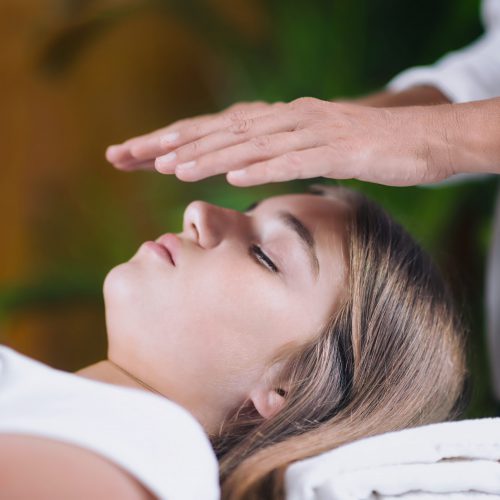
118 291
121 292
117 284
130 306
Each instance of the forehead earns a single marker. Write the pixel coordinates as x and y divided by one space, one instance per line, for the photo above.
315 211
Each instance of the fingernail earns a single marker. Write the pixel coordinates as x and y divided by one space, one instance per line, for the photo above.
239 174
164 160
169 138
185 166
112 150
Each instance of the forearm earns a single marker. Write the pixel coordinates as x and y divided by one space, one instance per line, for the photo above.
419 95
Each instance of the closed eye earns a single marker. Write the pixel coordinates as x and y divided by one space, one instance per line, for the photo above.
261 257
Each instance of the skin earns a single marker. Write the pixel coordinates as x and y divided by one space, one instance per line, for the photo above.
207 332
59 471
396 139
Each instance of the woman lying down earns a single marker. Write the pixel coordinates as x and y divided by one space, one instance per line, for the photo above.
243 344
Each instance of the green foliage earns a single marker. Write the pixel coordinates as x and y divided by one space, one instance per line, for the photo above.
321 48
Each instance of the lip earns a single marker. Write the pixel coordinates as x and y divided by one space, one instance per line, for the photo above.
172 244
159 250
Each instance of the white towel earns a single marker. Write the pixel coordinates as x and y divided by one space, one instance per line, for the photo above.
449 461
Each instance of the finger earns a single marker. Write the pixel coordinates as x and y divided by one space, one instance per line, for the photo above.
237 156
145 147
118 153
304 164
148 146
236 133
136 165
236 123
158 142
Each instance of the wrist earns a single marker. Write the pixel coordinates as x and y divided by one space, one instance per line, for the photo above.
474 136
427 134
463 138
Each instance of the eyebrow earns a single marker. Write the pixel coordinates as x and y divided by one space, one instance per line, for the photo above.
305 236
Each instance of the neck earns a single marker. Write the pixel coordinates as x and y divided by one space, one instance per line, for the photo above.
109 372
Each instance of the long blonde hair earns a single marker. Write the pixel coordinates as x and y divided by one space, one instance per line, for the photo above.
391 357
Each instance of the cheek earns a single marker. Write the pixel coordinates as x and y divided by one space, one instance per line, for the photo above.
245 314
134 300
126 288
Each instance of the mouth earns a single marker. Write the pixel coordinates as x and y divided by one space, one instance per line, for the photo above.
159 250
171 244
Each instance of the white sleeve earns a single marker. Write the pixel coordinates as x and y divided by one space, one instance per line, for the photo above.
469 74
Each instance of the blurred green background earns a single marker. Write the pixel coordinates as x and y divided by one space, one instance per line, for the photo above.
79 75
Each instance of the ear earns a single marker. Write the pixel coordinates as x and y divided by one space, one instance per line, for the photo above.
268 401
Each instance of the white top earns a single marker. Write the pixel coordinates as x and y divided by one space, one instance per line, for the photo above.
155 440
469 74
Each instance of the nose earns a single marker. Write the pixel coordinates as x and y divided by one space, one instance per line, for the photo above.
210 224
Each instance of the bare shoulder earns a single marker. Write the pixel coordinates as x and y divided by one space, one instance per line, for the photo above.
36 467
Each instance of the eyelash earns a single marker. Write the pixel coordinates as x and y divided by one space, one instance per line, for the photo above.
263 258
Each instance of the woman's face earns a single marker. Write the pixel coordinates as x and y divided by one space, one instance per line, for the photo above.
242 287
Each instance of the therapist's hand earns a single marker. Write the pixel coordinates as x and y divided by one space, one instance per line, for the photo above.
140 153
257 143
